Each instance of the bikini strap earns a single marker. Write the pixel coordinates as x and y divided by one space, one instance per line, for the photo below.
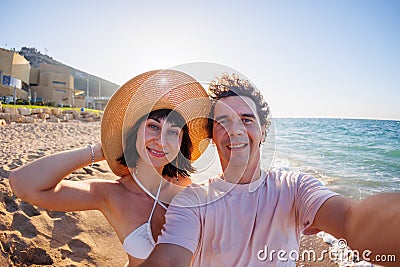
155 201
147 191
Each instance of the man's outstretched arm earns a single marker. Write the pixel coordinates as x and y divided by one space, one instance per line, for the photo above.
369 224
168 255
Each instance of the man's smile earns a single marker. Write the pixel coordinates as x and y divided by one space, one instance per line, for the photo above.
237 146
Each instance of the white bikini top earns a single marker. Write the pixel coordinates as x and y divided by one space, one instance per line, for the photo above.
140 242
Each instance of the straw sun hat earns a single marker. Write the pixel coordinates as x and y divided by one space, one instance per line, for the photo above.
153 90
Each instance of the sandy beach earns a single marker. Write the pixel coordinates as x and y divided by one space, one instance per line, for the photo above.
31 236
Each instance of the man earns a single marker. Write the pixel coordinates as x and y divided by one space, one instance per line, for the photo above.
233 218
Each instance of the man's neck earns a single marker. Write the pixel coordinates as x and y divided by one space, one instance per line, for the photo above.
240 175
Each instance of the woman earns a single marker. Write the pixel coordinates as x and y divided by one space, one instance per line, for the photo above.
151 131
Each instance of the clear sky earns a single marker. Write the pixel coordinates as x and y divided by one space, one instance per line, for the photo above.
321 58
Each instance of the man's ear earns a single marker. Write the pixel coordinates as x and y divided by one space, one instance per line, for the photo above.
263 133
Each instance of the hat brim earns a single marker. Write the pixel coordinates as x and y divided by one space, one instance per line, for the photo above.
154 90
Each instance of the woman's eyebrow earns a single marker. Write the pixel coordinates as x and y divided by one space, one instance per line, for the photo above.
155 119
220 117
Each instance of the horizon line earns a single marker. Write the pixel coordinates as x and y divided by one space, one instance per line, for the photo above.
337 118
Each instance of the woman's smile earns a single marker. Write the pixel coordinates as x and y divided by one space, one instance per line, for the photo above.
156 153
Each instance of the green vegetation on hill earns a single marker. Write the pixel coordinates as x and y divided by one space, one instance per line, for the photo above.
63 108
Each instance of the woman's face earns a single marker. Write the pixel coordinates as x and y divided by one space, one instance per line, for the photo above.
158 142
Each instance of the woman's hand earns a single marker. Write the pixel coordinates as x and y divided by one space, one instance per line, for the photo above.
98 152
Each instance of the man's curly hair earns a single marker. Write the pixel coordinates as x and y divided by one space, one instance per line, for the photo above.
226 86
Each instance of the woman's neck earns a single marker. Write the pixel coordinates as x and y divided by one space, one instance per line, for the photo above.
148 176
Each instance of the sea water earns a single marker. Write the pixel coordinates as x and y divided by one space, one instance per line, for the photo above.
353 157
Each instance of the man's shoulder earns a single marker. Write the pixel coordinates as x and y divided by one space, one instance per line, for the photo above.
196 194
288 177
206 182
283 174
294 180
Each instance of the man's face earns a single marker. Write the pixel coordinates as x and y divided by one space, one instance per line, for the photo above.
237 132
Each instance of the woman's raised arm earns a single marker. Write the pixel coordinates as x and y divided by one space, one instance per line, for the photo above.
41 181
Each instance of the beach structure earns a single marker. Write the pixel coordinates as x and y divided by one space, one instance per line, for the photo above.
94 91
54 84
33 77
14 75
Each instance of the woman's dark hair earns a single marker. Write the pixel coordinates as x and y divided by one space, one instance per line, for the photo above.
182 163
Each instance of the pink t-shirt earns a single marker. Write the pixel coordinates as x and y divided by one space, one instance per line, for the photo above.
242 224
